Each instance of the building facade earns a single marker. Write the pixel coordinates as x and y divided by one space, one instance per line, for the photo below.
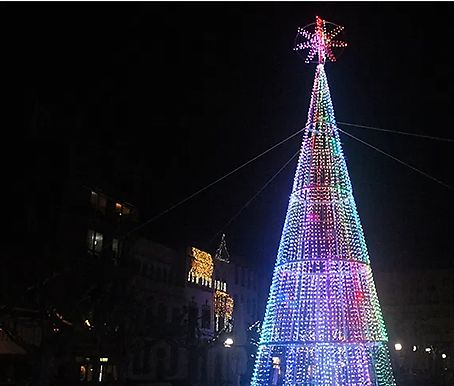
197 314
419 312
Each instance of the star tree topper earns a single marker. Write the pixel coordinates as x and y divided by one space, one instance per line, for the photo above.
320 41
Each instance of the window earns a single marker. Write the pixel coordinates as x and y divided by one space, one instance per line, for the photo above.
94 242
176 315
206 316
121 209
136 363
162 312
94 199
146 360
98 201
115 248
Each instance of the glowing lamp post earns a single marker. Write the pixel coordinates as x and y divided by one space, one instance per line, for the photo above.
228 342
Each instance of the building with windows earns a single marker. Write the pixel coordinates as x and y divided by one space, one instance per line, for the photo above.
418 307
194 331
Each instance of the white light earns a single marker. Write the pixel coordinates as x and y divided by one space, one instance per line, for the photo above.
398 347
87 323
104 359
228 342
415 348
428 349
443 356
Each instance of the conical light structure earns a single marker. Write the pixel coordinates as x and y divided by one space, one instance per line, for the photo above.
323 323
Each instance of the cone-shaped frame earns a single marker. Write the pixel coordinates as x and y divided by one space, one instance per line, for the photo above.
323 323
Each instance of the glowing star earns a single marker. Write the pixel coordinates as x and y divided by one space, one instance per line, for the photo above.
321 41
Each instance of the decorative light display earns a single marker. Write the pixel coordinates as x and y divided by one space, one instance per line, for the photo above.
222 253
323 323
320 42
201 271
223 308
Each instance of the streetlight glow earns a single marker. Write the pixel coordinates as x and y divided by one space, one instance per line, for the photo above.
398 347
228 342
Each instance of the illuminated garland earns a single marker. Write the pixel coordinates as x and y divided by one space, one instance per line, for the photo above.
201 270
223 309
223 304
323 324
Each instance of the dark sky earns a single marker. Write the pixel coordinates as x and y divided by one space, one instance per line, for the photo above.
186 92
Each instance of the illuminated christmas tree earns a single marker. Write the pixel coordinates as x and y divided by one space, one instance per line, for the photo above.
323 324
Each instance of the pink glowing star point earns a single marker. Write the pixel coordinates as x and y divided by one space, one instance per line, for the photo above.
318 40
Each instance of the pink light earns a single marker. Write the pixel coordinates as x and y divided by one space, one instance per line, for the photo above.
320 42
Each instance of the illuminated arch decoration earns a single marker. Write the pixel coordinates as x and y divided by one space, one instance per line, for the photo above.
323 323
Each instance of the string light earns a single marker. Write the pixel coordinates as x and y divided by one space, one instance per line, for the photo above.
223 305
320 42
202 266
323 322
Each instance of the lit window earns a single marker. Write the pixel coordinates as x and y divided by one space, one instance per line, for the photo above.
94 242
98 201
94 199
121 209
118 208
102 203
115 247
82 373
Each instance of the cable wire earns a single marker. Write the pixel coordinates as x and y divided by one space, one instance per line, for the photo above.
397 132
254 197
398 160
285 140
212 183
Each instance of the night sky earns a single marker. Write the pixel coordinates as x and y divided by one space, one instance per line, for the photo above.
186 92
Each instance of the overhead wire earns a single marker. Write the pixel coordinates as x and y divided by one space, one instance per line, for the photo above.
174 206
398 160
397 132
256 194
212 183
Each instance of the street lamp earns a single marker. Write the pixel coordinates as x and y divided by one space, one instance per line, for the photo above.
228 342
398 347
